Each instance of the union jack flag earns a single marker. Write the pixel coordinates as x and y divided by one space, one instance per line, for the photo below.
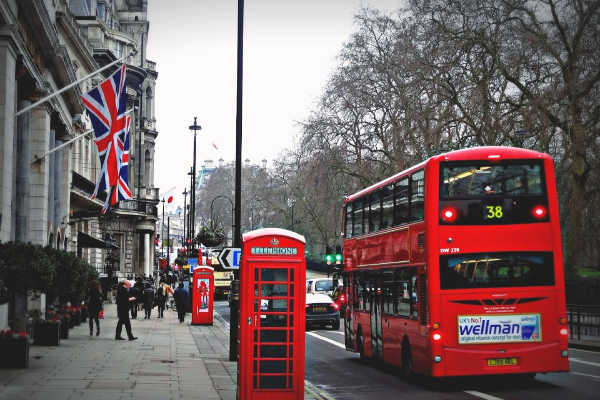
105 105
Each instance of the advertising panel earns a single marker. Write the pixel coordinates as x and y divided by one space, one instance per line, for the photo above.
499 328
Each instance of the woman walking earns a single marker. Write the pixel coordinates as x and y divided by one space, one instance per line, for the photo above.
94 305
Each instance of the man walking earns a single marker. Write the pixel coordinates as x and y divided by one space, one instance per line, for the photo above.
123 300
180 297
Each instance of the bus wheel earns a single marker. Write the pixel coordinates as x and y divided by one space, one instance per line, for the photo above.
407 363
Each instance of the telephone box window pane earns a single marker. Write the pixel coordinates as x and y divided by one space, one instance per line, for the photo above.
291 321
291 351
272 351
290 380
291 274
273 320
274 274
273 336
273 382
272 366
278 305
255 384
255 369
291 289
273 290
256 275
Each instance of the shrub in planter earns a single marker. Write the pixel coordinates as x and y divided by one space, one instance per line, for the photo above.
211 236
14 347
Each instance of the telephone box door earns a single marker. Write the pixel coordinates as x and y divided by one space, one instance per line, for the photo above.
272 316
202 300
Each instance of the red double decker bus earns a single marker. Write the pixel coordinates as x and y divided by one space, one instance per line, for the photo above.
454 266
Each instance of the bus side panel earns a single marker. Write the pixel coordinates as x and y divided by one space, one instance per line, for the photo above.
392 339
363 320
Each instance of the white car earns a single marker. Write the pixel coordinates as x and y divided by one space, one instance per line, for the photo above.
322 310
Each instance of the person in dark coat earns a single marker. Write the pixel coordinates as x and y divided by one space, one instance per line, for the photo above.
94 305
180 297
148 296
138 289
123 300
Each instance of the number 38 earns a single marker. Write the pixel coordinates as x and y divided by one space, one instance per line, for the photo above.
494 212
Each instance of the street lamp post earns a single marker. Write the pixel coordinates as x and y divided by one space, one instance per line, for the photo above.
291 204
194 128
232 213
162 230
185 192
191 174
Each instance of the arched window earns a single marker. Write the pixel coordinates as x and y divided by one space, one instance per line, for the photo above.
50 239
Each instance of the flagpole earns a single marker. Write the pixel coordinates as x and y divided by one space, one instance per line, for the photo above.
73 84
46 154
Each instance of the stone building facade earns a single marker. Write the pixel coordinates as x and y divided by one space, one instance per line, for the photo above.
48 167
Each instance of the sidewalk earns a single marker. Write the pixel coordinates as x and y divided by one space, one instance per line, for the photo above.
168 361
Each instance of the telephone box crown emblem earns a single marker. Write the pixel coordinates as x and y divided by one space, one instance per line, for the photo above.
274 242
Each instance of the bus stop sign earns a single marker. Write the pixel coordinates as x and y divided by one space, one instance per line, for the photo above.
229 257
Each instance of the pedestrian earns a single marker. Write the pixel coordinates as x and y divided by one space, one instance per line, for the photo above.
180 297
139 289
161 299
133 306
148 296
94 305
123 300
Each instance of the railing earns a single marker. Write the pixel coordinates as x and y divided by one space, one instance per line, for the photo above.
584 321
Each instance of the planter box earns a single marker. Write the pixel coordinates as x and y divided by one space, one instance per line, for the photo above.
64 332
15 353
47 335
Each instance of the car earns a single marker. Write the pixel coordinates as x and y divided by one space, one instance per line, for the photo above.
340 298
320 285
321 310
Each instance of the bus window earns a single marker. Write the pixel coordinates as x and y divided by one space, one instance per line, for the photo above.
401 202
387 211
348 221
375 214
417 196
357 218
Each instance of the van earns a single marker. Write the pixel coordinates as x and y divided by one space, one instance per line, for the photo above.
320 285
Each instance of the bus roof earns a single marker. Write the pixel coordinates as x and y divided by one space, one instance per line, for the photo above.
492 153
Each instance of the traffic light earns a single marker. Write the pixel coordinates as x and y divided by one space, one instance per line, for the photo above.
156 241
328 258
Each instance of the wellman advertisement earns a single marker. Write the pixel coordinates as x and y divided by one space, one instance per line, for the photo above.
499 328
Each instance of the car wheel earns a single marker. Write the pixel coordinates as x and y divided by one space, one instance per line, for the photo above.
336 325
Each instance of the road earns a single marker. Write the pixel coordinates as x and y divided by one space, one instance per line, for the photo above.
340 375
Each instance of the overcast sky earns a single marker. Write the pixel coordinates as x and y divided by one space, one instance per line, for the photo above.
290 49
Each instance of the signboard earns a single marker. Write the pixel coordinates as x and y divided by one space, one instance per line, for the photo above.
477 329
193 262
229 258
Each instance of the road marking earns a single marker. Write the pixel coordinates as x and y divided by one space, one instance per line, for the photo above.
577 360
333 342
586 375
482 395
315 391
582 350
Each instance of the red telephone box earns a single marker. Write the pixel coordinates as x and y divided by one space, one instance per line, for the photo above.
202 298
271 358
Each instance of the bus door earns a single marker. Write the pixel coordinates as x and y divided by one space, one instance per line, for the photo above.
376 334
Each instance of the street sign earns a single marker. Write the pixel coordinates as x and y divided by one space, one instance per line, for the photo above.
229 257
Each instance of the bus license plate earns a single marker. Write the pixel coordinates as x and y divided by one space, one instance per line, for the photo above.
499 362
319 309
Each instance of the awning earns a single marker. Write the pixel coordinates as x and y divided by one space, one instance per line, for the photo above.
86 241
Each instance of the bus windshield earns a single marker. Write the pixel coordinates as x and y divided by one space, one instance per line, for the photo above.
491 270
482 179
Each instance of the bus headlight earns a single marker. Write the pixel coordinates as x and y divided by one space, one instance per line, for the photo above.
437 359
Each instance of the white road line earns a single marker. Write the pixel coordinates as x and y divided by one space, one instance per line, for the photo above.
482 395
586 375
582 350
577 360
333 342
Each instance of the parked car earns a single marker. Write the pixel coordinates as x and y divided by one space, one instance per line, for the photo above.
321 310
320 285
340 298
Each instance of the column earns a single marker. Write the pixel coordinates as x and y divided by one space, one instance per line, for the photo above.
39 173
147 254
22 175
8 93
52 220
